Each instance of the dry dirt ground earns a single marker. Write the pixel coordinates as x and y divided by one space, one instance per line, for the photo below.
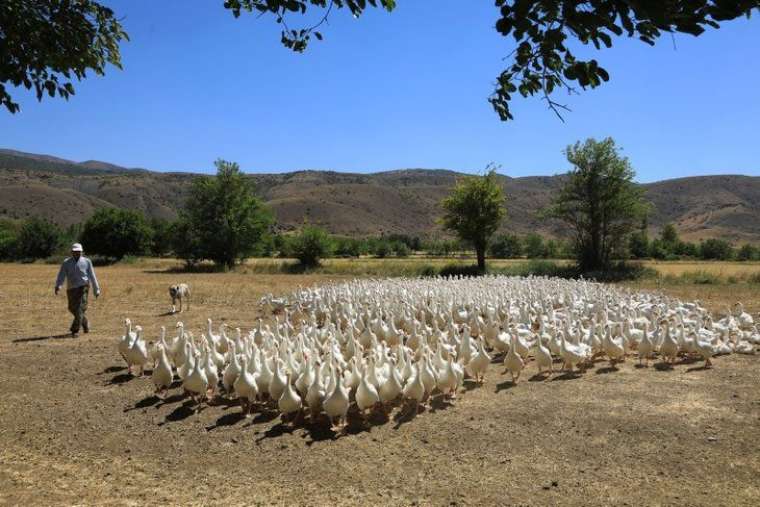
76 429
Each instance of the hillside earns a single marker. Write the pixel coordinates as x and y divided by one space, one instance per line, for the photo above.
406 201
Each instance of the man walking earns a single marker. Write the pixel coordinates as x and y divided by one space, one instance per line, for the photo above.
79 274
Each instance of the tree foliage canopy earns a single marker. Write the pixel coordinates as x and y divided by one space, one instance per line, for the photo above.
223 219
600 202
73 36
115 233
543 31
37 239
44 44
474 210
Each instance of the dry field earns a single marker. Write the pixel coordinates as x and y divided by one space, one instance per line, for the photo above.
75 429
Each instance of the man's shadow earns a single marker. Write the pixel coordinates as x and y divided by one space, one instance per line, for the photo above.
39 338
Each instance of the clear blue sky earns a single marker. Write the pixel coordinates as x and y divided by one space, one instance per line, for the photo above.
390 91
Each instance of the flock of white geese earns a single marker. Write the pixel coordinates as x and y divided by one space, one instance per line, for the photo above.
377 343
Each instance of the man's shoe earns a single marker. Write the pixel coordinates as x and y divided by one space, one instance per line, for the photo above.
74 334
86 329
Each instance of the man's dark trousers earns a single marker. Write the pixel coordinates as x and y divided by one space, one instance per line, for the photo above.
77 307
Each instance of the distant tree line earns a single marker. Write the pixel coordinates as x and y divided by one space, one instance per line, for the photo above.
225 223
112 234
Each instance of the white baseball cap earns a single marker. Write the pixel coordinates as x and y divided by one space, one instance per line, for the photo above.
76 247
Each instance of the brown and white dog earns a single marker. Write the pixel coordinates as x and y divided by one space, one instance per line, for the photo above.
179 292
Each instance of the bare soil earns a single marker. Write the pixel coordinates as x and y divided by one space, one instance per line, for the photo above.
76 429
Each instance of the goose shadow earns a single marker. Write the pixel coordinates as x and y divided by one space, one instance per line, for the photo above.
146 402
606 370
540 377
503 386
122 378
114 369
663 367
229 419
440 403
639 366
184 411
174 398
407 414
277 431
569 375
166 314
699 368
40 338
471 384
689 360
319 431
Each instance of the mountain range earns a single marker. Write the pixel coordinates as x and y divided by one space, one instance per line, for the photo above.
399 201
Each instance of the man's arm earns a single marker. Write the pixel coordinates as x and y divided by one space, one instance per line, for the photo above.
61 277
93 278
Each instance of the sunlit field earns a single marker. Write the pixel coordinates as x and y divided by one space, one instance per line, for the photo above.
77 429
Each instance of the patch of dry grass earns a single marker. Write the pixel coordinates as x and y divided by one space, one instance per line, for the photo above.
77 430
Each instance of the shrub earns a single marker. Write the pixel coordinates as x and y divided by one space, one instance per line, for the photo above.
700 278
534 246
311 245
9 230
506 246
460 270
747 253
400 249
37 239
382 249
161 237
348 247
716 249
114 233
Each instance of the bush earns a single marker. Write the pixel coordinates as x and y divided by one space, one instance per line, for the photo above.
381 249
9 230
400 249
747 253
700 277
114 233
715 249
534 246
37 239
348 247
506 246
161 237
459 270
638 244
311 245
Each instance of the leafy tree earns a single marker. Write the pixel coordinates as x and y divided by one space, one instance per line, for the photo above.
534 246
37 239
669 234
46 43
348 247
161 238
599 202
551 249
400 249
311 245
114 233
506 246
474 210
225 221
546 33
9 230
638 242
747 252
381 248
72 37
715 249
